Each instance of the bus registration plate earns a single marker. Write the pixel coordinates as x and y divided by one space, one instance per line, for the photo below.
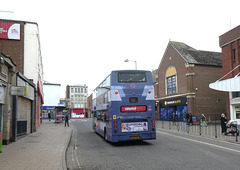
134 137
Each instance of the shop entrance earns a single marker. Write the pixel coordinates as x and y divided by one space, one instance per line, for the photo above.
166 113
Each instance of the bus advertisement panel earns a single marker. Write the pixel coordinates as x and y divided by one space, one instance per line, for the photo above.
124 106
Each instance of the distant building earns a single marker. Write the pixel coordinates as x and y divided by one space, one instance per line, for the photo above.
182 82
51 98
89 105
230 79
76 95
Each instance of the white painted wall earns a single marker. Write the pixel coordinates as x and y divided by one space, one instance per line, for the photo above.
33 67
51 94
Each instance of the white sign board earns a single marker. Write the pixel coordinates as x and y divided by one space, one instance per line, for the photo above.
18 90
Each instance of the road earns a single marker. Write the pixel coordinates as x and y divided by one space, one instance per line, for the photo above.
171 150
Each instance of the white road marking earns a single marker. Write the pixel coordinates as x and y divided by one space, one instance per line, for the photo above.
205 143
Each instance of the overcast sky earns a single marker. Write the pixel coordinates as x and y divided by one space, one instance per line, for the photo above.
82 41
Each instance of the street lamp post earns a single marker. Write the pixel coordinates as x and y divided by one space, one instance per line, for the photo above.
127 60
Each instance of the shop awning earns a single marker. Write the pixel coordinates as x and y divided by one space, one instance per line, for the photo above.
228 85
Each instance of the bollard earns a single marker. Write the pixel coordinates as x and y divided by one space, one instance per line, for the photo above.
200 129
215 126
237 133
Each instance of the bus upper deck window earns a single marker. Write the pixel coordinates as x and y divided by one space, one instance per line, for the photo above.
131 77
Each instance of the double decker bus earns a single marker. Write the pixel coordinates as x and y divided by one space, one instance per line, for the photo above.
124 106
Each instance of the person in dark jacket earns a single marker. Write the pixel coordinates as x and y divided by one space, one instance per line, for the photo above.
223 123
49 116
187 117
66 119
190 119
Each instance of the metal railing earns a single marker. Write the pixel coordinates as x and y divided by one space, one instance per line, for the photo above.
211 129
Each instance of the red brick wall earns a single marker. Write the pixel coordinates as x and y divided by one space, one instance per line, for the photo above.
14 48
172 58
227 59
208 101
200 76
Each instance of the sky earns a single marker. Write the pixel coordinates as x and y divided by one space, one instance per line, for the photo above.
82 41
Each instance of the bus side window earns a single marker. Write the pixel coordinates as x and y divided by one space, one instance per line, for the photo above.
106 117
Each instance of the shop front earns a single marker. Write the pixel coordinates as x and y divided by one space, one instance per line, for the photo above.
79 113
173 109
235 109
231 86
46 110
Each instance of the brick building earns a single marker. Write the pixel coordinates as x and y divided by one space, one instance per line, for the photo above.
230 81
182 80
20 41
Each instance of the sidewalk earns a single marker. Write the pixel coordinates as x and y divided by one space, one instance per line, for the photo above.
43 150
211 131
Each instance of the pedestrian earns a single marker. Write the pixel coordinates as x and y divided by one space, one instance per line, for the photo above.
187 117
174 118
190 119
203 120
66 120
49 116
223 123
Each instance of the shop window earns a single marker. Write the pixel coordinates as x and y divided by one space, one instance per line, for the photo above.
171 80
235 94
237 114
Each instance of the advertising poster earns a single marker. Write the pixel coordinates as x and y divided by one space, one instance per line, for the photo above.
9 31
134 126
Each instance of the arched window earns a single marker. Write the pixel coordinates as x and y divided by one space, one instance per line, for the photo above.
171 80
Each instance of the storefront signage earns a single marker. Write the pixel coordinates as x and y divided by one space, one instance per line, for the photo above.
235 101
25 91
18 90
9 31
173 102
48 107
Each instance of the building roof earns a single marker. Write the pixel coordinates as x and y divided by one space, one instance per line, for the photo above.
193 56
230 36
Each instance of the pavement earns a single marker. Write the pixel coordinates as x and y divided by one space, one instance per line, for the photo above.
42 150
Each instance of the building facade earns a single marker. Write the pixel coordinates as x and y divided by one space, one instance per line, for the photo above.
7 80
230 80
20 40
77 97
51 98
182 82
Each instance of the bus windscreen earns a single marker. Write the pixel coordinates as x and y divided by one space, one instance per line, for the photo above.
131 77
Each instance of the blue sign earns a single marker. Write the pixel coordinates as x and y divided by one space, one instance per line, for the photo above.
48 107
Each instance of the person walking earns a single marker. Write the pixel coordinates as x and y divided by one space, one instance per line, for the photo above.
66 120
223 123
187 117
190 119
203 120
49 116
